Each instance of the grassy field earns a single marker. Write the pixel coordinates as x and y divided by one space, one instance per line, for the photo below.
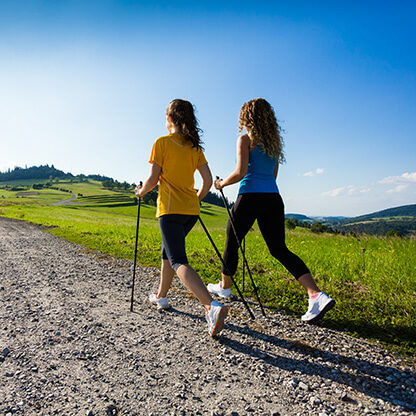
378 301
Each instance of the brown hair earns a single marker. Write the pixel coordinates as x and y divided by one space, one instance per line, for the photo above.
258 116
183 116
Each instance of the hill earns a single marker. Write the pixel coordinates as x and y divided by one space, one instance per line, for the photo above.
24 176
299 217
403 211
399 219
50 177
34 172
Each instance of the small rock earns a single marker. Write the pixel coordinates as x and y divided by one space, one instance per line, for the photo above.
111 410
5 352
303 386
314 401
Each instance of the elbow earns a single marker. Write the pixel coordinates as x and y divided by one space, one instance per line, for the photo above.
153 181
240 174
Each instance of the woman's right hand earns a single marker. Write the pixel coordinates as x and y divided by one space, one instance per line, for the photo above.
218 184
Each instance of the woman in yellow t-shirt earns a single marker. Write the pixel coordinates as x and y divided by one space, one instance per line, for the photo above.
174 159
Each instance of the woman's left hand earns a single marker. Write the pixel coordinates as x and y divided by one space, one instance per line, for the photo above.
218 184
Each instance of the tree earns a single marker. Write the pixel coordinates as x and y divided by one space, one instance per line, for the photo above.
394 233
317 227
150 198
291 223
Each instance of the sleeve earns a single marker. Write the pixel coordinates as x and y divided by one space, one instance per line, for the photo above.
201 159
157 154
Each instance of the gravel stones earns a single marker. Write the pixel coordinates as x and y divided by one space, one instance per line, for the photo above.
69 345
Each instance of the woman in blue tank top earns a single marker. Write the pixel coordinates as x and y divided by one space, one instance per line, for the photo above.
259 153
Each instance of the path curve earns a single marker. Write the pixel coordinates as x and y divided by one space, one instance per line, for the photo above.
66 201
69 345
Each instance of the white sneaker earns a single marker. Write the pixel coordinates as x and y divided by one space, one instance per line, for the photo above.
216 289
161 303
318 307
215 318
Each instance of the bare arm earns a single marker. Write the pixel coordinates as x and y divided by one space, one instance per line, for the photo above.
150 182
206 175
276 169
243 152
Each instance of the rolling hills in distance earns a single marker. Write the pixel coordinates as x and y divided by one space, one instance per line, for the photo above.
398 219
401 219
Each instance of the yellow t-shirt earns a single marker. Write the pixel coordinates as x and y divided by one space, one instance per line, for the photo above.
178 160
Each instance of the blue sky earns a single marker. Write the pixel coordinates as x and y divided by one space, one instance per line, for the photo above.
85 85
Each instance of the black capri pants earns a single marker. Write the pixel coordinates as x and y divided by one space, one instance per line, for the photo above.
268 210
174 228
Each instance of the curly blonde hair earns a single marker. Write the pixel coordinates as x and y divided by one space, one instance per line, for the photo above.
258 117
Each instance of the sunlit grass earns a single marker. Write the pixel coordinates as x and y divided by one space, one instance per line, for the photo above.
379 302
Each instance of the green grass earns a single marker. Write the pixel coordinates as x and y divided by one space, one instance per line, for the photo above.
88 188
35 196
379 303
23 182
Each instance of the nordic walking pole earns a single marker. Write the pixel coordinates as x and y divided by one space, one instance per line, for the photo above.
244 266
242 250
135 250
226 268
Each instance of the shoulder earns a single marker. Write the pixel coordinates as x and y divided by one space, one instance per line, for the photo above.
244 139
162 139
161 142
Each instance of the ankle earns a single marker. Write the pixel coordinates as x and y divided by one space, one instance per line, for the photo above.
314 295
225 283
158 295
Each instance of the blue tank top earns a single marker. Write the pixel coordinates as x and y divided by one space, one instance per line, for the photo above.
260 174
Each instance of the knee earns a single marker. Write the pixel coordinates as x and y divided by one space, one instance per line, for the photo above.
279 251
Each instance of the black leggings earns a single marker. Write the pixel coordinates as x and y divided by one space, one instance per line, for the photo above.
268 210
174 228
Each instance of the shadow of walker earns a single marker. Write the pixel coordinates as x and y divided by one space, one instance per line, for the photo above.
366 377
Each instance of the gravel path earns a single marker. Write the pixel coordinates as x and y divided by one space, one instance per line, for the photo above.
70 346
66 201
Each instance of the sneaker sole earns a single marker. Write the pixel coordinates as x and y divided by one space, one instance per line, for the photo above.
326 308
219 326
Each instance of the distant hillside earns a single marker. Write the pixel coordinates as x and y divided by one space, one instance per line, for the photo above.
329 219
403 211
43 172
299 217
401 219
34 172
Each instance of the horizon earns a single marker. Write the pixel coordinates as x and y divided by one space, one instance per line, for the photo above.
212 190
85 87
